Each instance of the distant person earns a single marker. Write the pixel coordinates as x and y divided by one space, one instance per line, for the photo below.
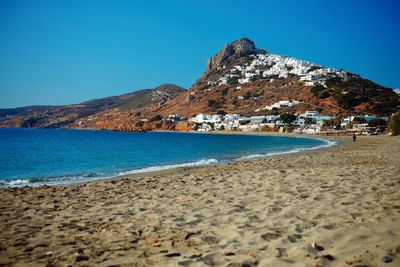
354 137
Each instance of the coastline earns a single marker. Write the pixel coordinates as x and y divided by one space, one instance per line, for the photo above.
82 178
172 170
264 212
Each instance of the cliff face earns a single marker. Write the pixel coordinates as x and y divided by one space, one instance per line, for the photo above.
230 52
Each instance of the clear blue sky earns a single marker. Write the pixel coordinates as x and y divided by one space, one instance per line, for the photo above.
62 52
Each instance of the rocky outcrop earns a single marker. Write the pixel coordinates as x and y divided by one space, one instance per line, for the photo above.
165 92
239 48
182 126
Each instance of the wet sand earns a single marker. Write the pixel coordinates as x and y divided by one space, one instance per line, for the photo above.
333 207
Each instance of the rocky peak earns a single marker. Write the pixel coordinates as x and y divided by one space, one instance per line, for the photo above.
239 48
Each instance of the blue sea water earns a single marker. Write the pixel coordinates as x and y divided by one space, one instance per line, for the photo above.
59 156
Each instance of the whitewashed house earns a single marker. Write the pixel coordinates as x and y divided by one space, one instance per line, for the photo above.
215 118
284 103
301 121
346 121
310 114
231 117
200 118
174 117
223 80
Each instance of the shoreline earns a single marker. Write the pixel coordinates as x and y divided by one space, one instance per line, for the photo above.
264 212
328 143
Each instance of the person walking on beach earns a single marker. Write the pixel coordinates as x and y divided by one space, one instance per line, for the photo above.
354 137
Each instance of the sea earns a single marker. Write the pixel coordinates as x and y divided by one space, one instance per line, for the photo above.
33 157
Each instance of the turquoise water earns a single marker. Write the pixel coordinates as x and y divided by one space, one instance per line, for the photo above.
59 156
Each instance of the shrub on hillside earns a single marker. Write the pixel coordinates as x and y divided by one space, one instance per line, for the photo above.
235 101
324 94
221 112
157 117
394 124
309 121
359 120
244 122
139 123
349 93
233 80
316 89
159 124
247 95
214 104
224 91
377 122
287 118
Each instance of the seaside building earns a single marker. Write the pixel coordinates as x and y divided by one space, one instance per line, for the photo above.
360 126
200 118
311 114
302 123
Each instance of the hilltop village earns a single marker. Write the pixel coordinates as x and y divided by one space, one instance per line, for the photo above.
269 66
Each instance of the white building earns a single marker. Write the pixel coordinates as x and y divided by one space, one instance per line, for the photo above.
223 80
215 118
284 103
231 117
244 80
346 121
309 83
174 117
200 118
310 114
310 77
301 121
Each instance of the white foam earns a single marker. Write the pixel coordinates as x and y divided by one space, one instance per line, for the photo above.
327 143
16 183
202 162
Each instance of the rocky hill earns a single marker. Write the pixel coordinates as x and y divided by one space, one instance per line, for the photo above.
243 79
240 78
67 116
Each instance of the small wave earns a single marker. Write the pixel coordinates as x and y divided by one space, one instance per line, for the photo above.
15 183
70 179
255 156
202 162
326 143
57 180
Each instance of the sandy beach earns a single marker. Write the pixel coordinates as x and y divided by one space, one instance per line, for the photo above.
332 207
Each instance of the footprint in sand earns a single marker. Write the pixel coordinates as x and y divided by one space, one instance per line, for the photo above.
293 238
280 252
210 239
319 197
329 226
271 236
275 209
299 228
